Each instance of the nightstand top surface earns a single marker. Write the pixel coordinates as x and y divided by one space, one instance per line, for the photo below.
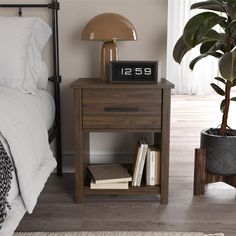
98 83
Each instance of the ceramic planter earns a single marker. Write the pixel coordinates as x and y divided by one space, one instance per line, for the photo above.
220 153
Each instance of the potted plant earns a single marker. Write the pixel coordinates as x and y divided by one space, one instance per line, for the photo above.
220 143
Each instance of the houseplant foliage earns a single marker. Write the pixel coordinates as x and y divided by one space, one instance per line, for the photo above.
200 30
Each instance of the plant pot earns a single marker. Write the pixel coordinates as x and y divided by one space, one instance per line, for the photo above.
220 153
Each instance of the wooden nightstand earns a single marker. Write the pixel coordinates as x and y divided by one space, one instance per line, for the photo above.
107 107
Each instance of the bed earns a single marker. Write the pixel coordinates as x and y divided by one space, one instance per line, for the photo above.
30 115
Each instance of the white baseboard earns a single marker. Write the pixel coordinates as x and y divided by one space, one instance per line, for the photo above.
96 157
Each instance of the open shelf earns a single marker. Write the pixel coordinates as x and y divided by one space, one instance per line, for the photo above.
142 190
139 190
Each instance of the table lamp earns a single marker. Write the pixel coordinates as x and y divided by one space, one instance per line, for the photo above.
109 28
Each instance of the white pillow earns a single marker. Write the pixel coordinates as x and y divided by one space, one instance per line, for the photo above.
43 76
21 42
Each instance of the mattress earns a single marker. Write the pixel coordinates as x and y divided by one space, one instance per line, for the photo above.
48 107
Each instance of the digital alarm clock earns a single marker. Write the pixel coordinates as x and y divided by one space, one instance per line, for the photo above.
133 71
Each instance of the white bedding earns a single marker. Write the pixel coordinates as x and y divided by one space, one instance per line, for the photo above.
24 121
48 107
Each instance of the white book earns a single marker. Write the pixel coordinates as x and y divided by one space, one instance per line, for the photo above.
142 161
137 165
150 170
153 170
119 185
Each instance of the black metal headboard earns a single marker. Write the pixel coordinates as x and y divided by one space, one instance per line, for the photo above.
55 131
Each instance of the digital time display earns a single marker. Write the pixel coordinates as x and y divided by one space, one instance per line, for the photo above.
134 71
139 71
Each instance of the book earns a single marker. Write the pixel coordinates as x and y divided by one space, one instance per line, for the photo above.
153 166
118 185
139 162
109 173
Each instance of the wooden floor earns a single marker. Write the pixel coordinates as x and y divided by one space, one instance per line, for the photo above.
213 212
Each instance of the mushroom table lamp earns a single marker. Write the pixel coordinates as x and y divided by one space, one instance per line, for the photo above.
109 28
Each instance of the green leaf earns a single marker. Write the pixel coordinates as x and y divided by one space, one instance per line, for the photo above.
233 99
219 46
232 27
221 1
212 35
227 66
234 83
209 5
212 46
180 50
230 1
206 46
199 26
218 89
222 106
195 60
215 54
220 79
231 9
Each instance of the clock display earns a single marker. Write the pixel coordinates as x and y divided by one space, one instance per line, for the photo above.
134 71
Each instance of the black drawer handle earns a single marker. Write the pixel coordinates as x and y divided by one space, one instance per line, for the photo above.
121 109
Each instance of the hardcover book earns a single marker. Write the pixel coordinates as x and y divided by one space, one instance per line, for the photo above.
139 162
109 173
120 185
153 166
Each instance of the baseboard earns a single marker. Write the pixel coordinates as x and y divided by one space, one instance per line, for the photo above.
96 157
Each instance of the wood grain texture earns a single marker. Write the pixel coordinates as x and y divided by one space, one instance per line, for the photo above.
199 172
98 83
202 178
121 122
211 178
165 145
121 108
79 162
215 211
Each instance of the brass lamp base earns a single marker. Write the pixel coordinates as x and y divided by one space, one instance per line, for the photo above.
108 53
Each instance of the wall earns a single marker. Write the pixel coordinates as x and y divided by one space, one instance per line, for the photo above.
82 58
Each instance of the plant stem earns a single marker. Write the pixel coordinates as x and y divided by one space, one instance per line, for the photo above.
223 127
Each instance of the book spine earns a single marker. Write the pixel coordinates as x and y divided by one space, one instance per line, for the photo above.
152 168
148 167
158 168
143 158
137 165
121 185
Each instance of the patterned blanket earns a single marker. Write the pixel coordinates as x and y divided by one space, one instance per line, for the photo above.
6 169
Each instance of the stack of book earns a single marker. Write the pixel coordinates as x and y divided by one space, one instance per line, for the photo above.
149 155
109 176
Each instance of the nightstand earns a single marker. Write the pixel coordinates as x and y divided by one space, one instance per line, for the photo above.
105 107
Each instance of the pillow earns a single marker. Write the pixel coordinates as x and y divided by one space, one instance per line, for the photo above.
43 76
21 42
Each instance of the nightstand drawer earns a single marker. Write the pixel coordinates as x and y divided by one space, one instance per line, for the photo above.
122 122
121 102
121 109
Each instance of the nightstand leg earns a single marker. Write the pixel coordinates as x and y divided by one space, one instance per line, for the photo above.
199 172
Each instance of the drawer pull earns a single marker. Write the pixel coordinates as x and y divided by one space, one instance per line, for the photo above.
121 109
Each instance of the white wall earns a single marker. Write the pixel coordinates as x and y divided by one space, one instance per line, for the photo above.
82 58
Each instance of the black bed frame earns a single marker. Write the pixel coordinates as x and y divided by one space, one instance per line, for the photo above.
55 131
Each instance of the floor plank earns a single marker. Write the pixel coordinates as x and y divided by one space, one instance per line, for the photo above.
213 212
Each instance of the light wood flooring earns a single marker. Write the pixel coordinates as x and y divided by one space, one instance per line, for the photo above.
213 212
